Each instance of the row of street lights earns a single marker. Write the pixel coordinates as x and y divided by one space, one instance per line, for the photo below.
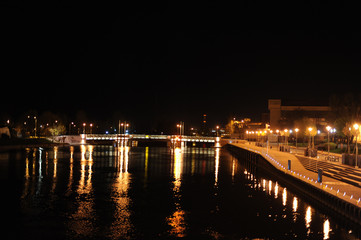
286 132
121 126
310 130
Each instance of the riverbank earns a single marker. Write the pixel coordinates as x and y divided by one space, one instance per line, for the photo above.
342 197
20 143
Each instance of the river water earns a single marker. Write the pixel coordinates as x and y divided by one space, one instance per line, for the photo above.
104 192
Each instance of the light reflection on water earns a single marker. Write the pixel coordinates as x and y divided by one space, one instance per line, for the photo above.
176 220
121 227
81 220
138 193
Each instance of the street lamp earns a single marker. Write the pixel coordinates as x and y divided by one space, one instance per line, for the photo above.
124 125
180 128
70 124
356 127
328 139
296 130
286 136
36 123
310 130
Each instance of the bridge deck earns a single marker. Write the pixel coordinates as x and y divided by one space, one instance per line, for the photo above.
107 137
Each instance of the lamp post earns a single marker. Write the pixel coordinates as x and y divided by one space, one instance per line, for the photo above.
70 124
296 130
36 123
126 125
356 127
309 130
286 136
180 126
328 140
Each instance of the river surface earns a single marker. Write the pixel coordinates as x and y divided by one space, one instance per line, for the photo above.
104 192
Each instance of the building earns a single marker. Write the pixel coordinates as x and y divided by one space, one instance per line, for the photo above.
284 116
240 128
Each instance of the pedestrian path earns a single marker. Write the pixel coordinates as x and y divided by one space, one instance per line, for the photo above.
339 186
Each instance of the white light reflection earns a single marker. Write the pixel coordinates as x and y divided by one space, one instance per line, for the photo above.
264 184
284 197
294 208
295 204
122 226
40 172
216 168
276 190
308 219
83 187
40 163
178 164
326 229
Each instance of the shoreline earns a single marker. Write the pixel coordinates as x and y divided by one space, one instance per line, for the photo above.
18 144
331 197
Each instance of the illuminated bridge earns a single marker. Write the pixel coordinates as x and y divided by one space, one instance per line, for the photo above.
133 139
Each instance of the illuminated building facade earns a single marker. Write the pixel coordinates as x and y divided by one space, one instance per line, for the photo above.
285 116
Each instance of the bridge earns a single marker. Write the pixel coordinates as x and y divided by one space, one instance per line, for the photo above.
135 138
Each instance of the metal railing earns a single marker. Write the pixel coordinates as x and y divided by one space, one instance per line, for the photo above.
151 137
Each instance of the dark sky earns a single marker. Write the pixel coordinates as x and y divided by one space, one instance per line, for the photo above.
157 63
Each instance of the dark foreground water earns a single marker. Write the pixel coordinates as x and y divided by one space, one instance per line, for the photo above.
102 192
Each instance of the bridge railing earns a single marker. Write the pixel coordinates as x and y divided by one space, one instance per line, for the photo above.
194 138
145 136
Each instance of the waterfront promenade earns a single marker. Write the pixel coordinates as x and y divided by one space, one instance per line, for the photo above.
341 189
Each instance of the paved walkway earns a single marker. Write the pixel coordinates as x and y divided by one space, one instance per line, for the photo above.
341 189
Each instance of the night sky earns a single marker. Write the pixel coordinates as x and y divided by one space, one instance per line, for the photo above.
157 63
